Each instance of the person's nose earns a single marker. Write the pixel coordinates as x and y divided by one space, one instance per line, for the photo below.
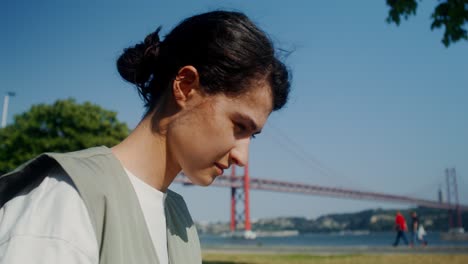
240 153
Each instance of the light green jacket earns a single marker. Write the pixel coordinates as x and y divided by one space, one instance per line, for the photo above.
113 206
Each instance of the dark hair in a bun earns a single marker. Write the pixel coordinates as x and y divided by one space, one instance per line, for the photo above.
226 48
135 65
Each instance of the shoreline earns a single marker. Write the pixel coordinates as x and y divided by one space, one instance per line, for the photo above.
333 250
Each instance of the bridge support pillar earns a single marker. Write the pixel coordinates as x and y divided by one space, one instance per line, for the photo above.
240 203
452 195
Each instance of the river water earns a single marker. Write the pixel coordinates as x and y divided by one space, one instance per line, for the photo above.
311 239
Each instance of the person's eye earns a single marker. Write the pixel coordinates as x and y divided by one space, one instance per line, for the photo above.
242 128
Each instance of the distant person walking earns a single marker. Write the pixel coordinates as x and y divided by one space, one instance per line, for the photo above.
401 228
417 230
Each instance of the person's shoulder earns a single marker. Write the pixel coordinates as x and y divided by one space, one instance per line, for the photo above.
49 210
81 154
42 207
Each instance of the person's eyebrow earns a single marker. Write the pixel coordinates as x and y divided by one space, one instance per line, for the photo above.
251 123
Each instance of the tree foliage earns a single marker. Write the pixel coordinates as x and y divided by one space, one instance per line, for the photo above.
61 127
449 14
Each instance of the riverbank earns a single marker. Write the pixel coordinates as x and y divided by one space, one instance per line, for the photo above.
271 258
335 250
360 240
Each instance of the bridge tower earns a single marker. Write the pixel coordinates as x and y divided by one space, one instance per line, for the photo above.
452 196
240 204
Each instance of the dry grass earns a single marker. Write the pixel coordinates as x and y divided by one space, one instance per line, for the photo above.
335 259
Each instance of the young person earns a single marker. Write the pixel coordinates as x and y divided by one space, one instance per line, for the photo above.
417 230
208 88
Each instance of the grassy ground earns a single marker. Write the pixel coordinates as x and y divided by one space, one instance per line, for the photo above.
213 258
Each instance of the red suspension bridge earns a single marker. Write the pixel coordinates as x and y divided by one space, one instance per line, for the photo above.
241 186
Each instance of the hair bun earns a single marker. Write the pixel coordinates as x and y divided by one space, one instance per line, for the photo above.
136 63
152 44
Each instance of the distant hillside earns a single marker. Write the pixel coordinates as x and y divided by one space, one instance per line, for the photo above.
373 220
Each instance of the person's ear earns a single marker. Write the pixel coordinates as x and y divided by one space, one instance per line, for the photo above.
185 85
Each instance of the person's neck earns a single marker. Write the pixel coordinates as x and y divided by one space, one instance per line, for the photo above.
145 154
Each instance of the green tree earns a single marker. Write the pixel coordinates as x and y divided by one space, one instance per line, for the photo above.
450 14
60 127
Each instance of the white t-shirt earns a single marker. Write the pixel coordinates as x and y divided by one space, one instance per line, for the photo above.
152 204
49 223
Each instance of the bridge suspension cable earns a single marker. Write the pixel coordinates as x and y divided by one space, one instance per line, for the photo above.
308 159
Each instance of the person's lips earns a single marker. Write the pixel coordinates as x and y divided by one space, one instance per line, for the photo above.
220 168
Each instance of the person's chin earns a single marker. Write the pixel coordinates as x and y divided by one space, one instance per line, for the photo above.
202 180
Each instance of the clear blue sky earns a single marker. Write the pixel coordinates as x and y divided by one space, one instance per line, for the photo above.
373 106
